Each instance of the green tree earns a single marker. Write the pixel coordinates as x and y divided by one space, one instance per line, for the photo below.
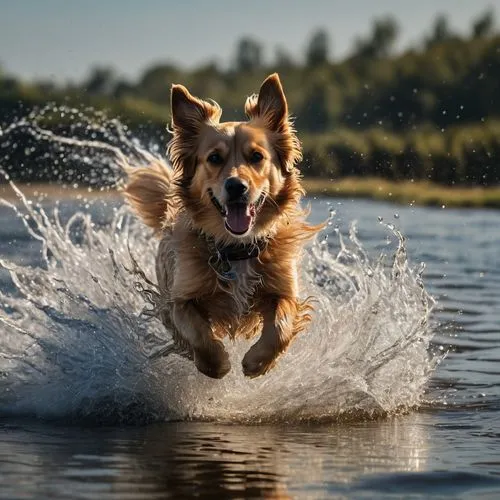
441 32
313 114
282 59
318 49
248 55
484 25
123 89
102 80
156 81
380 42
385 33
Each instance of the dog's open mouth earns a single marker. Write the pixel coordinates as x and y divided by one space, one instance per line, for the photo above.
240 217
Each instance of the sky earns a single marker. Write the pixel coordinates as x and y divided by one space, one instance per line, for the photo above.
61 40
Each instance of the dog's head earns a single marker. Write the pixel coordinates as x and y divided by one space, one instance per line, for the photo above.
234 174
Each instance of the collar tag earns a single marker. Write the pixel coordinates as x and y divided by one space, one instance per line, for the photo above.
222 267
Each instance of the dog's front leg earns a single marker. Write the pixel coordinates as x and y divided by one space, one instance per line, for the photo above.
280 316
210 356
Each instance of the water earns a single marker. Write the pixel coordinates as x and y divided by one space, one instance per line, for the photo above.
363 405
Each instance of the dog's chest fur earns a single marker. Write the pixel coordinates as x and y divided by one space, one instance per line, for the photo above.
243 287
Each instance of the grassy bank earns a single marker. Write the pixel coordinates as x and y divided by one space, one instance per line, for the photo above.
416 193
38 191
406 192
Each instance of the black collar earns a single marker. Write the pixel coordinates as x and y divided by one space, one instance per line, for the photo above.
221 256
235 251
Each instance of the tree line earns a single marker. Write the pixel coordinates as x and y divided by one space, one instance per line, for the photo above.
431 112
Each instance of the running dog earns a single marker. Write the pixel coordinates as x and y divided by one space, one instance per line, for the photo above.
231 228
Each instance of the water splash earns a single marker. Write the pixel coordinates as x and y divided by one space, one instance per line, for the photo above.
71 146
79 333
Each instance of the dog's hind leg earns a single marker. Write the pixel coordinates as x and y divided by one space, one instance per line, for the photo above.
210 356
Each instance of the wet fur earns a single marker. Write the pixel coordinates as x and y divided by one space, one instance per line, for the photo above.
203 308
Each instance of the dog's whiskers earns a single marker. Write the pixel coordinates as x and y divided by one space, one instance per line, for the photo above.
270 199
278 208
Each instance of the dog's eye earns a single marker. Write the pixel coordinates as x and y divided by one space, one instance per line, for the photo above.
256 157
215 159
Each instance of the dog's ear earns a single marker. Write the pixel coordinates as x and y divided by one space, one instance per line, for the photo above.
188 115
270 105
189 112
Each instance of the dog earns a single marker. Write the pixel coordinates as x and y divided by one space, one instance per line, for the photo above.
231 228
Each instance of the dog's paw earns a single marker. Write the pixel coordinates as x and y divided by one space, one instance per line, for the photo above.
259 360
213 362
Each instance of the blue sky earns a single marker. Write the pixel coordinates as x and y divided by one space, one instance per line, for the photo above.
62 39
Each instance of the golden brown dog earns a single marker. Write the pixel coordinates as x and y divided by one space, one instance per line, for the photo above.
231 228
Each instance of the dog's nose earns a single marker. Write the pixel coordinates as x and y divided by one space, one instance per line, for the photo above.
235 188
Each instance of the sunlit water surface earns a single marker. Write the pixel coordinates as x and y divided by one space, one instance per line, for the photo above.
79 337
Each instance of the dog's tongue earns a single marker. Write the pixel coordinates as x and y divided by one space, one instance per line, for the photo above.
238 218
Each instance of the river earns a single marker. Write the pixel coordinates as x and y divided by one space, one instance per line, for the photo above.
61 439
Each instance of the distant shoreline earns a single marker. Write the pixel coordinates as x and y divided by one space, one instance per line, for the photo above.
45 190
406 192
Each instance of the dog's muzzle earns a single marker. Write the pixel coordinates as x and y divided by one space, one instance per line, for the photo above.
239 215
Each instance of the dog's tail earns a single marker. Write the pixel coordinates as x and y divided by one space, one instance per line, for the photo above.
150 192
